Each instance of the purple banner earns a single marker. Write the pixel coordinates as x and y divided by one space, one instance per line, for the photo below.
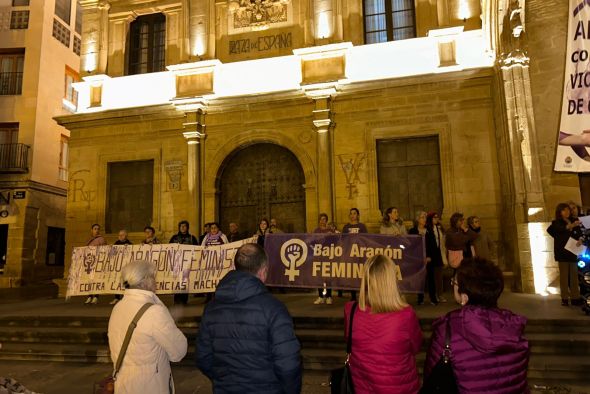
310 260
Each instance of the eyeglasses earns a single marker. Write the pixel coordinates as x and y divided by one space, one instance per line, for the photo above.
454 282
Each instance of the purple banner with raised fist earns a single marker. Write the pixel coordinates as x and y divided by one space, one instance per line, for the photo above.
337 260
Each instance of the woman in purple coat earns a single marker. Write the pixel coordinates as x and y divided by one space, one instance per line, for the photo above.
489 353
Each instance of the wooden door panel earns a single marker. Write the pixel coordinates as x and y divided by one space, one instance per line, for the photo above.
267 181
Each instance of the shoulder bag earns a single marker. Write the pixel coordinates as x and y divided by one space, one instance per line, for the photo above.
341 378
107 385
442 378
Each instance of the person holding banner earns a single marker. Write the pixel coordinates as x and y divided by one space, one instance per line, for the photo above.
155 341
392 224
121 240
150 236
96 240
325 294
215 236
185 238
354 227
386 334
263 229
246 341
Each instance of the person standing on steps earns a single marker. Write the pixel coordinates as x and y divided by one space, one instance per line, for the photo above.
183 237
354 226
96 239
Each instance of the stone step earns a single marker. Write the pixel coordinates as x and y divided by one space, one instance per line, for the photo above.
541 343
562 369
312 323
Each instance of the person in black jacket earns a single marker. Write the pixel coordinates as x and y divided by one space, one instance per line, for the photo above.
121 240
432 253
561 230
246 341
185 238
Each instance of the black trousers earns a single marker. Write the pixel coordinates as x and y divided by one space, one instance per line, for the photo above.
328 293
430 285
181 299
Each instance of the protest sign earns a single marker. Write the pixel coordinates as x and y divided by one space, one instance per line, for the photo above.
179 268
310 260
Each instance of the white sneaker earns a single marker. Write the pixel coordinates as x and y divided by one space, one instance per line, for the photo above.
442 299
114 301
88 300
319 301
94 300
329 300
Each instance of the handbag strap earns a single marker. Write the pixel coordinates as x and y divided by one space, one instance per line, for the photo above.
127 339
447 349
349 341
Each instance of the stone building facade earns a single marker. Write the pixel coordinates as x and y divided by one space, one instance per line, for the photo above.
39 60
288 109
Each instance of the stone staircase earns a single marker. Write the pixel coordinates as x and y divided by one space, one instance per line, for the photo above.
559 349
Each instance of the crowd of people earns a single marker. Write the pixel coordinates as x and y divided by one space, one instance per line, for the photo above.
462 239
246 341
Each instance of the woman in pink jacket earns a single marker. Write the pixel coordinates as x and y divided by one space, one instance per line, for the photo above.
386 335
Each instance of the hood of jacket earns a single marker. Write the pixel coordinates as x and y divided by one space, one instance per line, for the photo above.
492 330
238 286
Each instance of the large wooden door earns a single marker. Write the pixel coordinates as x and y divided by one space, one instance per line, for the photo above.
409 175
262 180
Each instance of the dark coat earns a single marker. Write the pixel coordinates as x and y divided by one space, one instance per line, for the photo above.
489 352
185 239
246 342
126 242
432 249
558 230
457 239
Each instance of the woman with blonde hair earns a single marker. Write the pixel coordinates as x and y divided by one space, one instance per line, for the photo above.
386 335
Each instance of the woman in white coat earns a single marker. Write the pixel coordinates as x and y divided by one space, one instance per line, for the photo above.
156 340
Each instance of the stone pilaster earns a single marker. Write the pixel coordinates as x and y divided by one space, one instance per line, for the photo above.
322 120
194 133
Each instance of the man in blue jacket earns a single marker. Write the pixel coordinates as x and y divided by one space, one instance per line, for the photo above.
246 341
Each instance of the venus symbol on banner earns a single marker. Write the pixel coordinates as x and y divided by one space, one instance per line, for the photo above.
293 255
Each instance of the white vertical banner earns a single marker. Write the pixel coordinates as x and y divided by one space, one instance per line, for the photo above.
573 148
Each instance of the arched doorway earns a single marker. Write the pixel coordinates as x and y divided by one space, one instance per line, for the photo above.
262 180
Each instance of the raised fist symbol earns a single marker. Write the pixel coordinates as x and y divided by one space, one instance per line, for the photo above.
293 253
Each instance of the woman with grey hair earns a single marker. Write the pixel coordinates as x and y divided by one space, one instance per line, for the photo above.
156 340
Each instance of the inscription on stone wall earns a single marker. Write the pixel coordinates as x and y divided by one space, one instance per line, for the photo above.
351 164
261 44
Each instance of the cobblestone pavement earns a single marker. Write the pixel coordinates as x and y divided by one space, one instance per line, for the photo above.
66 378
75 378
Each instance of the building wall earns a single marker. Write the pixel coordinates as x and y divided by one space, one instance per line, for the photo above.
546 26
41 100
457 108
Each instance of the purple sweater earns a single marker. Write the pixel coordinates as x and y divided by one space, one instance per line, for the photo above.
489 352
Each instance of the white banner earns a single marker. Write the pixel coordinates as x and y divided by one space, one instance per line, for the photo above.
179 268
574 130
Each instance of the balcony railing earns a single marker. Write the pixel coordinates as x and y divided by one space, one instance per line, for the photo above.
14 158
11 83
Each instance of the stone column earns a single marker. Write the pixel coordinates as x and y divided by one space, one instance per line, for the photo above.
194 132
174 35
118 30
103 7
324 124
198 27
